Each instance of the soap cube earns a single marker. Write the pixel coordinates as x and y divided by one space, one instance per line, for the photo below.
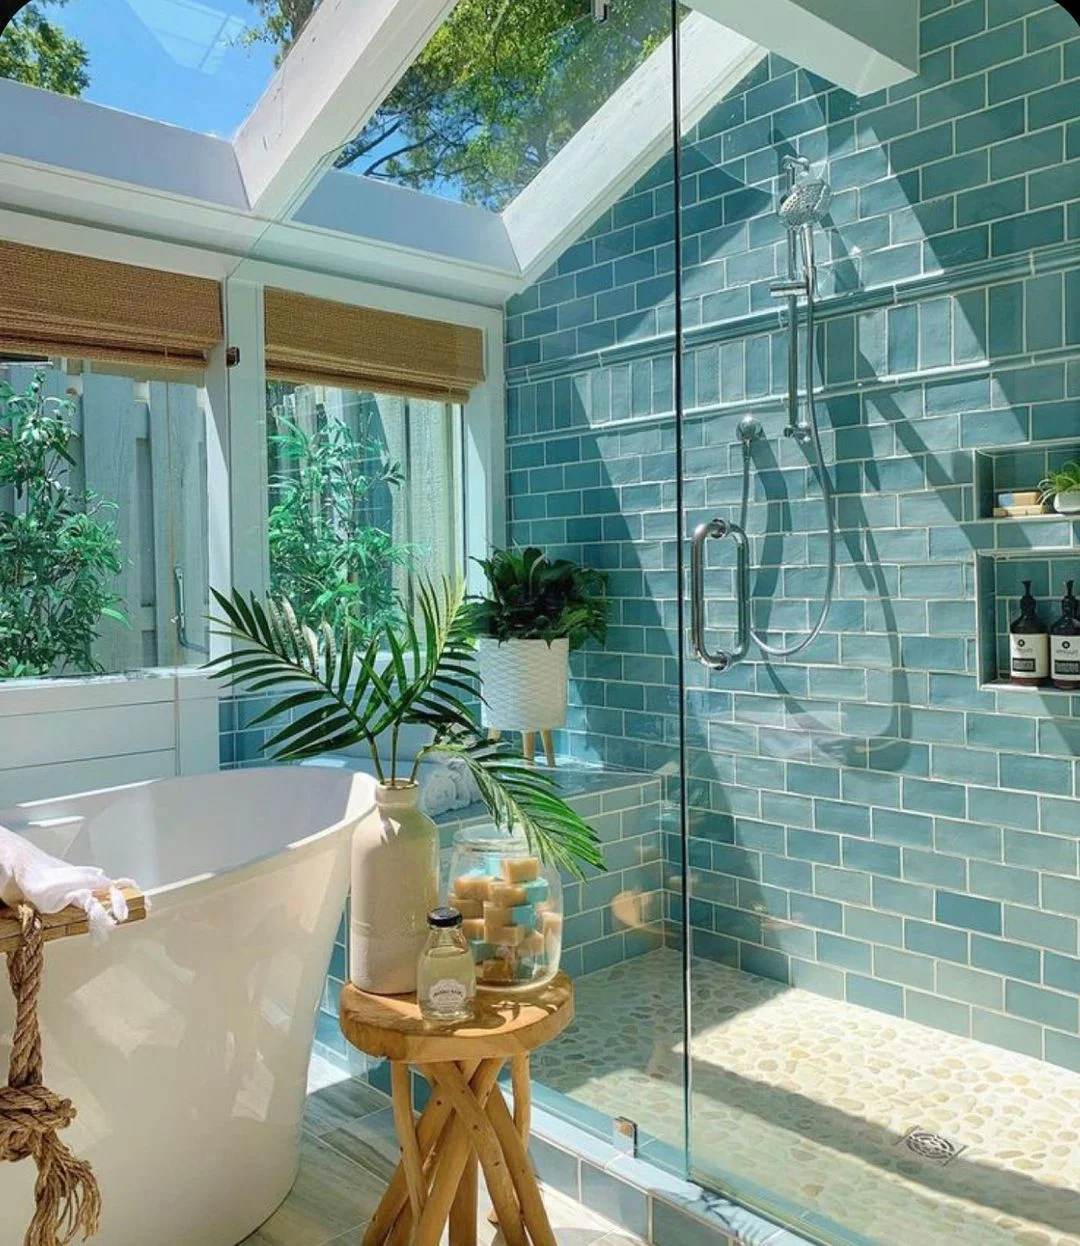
536 890
508 894
507 937
520 869
467 906
493 864
497 914
523 915
481 950
495 972
533 945
473 928
551 923
472 886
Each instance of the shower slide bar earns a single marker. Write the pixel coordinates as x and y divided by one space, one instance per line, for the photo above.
717 529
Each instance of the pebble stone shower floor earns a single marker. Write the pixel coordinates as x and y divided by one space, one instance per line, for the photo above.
899 1132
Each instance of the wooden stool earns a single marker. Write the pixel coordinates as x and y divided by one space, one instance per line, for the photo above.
466 1124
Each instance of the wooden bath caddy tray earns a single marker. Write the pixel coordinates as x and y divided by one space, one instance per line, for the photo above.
68 922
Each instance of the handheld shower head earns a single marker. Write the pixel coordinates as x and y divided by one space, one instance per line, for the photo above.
806 203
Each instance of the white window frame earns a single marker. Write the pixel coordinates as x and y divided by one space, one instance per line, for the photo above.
237 455
483 475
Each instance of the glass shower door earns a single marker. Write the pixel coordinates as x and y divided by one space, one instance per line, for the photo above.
881 828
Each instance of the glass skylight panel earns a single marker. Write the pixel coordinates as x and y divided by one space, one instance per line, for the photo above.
199 64
498 92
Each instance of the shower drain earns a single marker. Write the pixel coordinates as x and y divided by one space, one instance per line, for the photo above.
927 1144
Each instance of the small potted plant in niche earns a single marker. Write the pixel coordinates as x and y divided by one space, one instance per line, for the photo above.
1063 489
538 610
337 691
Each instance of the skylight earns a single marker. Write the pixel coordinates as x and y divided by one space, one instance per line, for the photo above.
447 144
200 64
498 92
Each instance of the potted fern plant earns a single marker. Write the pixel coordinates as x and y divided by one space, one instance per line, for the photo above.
536 612
1063 489
337 691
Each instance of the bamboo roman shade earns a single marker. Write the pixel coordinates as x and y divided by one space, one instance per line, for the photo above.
326 343
59 304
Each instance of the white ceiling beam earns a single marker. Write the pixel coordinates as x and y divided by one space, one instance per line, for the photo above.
346 61
46 206
860 46
624 139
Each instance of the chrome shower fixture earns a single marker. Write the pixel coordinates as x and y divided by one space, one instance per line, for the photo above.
806 203
749 431
803 206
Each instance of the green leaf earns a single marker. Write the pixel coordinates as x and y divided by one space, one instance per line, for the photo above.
433 693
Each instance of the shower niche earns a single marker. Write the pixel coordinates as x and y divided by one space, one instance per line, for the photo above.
1019 470
999 585
1043 548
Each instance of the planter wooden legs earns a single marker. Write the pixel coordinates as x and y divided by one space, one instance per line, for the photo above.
549 746
528 744
465 1127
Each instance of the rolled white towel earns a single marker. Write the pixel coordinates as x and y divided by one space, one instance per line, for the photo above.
29 875
445 784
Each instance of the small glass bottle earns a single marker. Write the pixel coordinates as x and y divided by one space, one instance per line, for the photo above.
1065 644
445 975
1029 644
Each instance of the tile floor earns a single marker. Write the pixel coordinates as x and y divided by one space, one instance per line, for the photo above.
814 1100
348 1155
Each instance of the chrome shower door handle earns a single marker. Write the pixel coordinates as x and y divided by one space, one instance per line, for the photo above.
717 529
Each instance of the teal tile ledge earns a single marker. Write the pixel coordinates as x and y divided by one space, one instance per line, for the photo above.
1061 257
715 1219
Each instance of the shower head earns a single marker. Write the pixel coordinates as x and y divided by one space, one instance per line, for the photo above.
805 203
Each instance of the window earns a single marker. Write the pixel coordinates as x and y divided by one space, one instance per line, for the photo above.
104 519
364 498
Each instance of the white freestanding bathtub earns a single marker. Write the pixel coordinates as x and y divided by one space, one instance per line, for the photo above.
184 1040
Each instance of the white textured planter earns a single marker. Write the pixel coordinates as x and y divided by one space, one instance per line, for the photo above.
1067 503
524 683
395 884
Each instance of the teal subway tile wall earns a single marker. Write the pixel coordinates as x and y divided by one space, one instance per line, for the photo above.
879 818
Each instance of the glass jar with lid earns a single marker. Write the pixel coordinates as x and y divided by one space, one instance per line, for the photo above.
512 909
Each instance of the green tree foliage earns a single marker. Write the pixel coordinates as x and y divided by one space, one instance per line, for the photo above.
495 94
36 51
328 554
280 23
58 555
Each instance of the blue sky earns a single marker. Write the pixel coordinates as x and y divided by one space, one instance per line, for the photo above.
173 60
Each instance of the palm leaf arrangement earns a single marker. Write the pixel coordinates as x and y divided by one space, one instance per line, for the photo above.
338 693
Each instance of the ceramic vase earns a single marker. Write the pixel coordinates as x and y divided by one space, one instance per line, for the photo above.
1068 503
395 884
524 683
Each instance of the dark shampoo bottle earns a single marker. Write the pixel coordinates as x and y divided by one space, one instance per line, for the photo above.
1065 644
1029 644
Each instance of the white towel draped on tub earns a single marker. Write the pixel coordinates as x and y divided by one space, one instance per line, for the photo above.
29 875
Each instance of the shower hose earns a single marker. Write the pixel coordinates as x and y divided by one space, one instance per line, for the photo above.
828 497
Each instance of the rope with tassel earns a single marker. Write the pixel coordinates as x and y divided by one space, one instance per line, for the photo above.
66 1192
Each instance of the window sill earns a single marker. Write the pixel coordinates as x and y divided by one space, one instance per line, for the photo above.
70 692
